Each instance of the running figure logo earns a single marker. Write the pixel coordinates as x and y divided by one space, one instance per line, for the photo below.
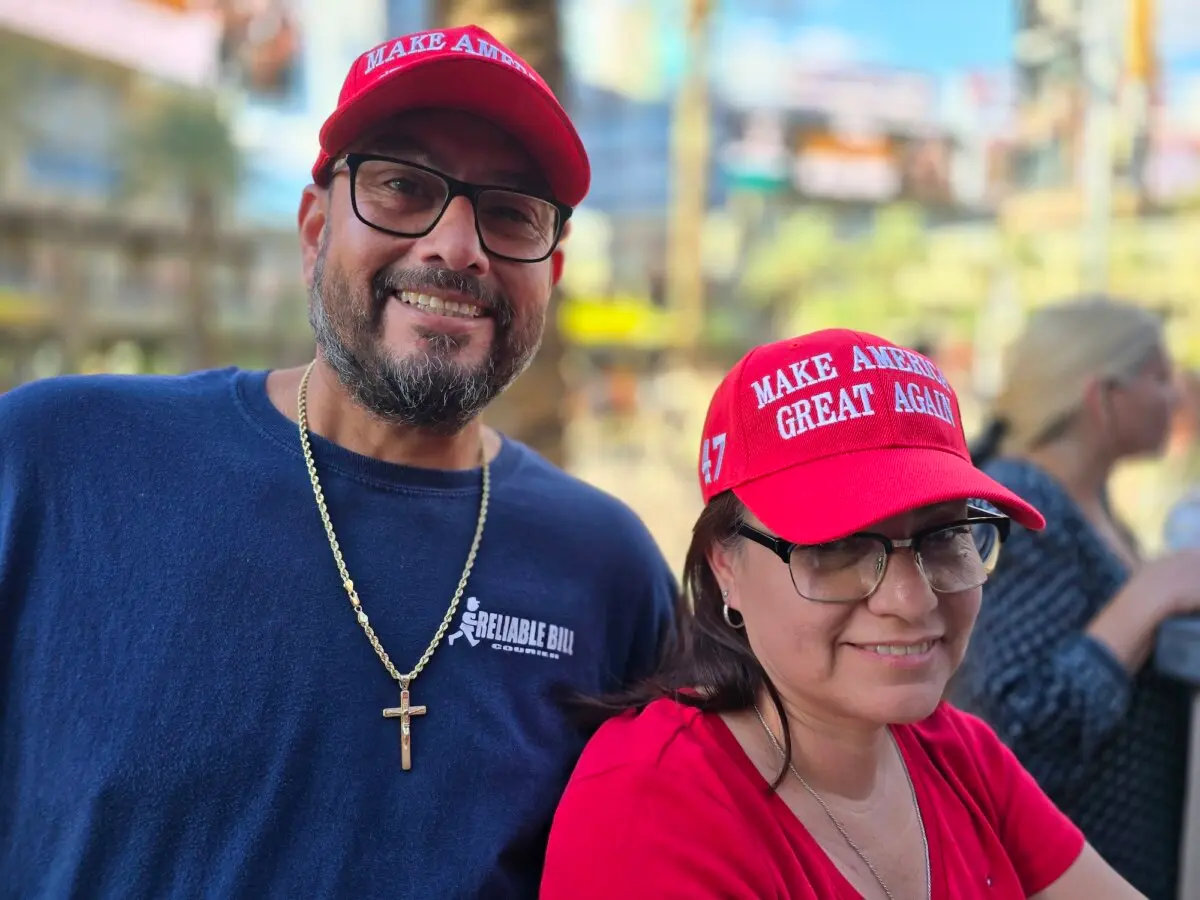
466 625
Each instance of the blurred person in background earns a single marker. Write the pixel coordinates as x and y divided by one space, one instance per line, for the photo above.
1059 662
797 746
297 633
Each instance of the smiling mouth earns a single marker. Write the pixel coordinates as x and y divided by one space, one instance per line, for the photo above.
457 309
898 649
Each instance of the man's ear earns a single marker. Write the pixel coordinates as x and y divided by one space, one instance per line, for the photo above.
312 218
558 260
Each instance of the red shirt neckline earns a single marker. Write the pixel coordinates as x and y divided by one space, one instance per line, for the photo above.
728 742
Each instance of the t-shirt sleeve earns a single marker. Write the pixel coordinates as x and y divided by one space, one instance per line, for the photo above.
641 833
645 607
19 441
1041 842
659 630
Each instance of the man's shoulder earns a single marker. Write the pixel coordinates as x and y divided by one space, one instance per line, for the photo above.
71 403
562 499
81 394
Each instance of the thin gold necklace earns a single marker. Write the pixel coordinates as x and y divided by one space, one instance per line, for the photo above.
404 712
838 825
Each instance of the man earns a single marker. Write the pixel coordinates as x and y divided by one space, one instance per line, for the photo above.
223 596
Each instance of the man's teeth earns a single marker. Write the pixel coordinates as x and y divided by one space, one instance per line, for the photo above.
899 649
440 306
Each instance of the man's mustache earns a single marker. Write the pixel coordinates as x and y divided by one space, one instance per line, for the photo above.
429 279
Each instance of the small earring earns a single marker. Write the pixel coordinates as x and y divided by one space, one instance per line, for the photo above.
728 610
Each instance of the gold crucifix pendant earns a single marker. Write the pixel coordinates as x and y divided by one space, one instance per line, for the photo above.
404 713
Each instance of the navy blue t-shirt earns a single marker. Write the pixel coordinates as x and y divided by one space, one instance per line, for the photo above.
188 707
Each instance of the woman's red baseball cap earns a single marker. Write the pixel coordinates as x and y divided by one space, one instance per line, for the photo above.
822 435
463 69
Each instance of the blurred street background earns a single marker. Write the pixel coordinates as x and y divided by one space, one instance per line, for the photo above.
929 170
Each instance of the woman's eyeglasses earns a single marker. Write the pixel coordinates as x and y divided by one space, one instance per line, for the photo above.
956 556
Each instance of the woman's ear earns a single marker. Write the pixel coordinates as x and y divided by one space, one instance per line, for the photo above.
1097 405
724 559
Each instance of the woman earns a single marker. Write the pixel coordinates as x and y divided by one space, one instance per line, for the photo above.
798 746
1058 665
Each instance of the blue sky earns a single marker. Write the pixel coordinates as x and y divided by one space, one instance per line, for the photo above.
942 36
936 36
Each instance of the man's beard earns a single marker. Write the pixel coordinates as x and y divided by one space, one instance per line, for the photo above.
427 388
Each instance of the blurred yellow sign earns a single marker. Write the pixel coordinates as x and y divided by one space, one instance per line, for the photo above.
18 309
624 321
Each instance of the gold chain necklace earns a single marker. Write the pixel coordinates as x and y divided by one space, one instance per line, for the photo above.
404 711
838 825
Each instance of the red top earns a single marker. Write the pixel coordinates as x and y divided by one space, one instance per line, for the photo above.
666 804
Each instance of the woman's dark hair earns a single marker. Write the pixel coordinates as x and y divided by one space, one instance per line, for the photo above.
987 445
708 665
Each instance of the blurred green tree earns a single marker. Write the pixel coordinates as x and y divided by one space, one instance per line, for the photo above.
791 267
807 276
182 148
14 94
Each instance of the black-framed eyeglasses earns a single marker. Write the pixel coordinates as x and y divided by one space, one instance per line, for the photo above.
955 556
408 200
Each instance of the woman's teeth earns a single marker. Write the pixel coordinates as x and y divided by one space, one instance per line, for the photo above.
899 649
440 306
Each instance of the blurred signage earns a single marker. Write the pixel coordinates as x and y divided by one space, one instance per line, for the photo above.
926 174
881 99
758 159
260 48
1049 64
624 321
842 168
983 100
1173 167
19 309
144 37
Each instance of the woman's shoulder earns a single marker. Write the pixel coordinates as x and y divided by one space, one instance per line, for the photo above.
663 735
949 728
960 743
668 762
658 807
1029 481
1065 522
967 755
973 779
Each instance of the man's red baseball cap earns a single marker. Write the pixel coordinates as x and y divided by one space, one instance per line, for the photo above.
822 435
463 69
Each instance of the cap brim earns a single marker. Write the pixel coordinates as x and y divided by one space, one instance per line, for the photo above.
832 497
490 90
